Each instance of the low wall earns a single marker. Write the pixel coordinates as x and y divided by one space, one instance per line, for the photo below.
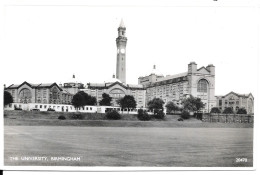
228 118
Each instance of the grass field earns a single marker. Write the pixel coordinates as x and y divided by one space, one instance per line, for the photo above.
129 146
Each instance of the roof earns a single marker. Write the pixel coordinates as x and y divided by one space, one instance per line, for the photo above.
237 94
122 25
173 76
108 85
40 85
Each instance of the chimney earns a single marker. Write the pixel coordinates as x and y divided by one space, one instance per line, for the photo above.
4 86
211 68
154 66
113 76
73 76
192 67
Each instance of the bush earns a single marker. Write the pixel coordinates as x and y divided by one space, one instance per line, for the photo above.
185 115
61 117
143 115
180 119
77 116
241 111
215 110
113 115
228 110
159 115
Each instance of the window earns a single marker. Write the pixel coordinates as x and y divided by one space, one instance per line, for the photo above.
202 86
220 103
90 108
40 106
36 106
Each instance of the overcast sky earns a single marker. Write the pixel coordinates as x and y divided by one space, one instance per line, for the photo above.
45 44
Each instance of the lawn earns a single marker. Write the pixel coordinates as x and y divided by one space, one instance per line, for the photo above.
129 146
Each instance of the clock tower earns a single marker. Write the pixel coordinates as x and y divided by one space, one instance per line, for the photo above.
121 52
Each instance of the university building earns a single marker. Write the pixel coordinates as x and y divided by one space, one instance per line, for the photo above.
196 82
236 101
39 93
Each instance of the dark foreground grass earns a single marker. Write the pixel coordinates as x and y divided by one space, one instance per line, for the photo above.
129 146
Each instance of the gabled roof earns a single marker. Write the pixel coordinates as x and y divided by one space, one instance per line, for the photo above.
237 94
203 68
41 85
120 84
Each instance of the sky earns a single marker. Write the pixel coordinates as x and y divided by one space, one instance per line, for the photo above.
49 42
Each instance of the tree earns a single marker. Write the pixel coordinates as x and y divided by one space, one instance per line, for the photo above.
128 101
143 115
215 110
156 105
106 100
78 100
192 104
7 98
241 111
81 99
170 106
228 110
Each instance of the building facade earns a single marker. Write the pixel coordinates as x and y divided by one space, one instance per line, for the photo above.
196 82
116 89
236 101
39 93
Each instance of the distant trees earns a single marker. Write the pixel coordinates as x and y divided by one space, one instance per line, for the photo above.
127 102
7 98
215 110
81 99
192 104
106 100
170 106
241 111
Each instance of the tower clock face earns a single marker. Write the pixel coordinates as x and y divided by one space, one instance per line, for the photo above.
122 50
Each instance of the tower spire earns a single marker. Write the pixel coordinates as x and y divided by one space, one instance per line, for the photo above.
122 25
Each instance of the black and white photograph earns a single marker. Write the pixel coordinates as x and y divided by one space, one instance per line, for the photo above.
129 85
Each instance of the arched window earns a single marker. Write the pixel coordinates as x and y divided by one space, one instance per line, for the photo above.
202 86
25 95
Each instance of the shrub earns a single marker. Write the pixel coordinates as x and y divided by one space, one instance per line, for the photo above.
77 116
241 111
61 117
180 119
215 110
159 115
113 115
143 115
228 110
185 115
